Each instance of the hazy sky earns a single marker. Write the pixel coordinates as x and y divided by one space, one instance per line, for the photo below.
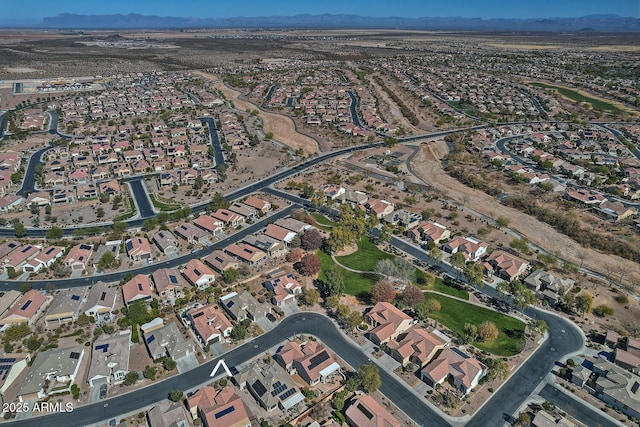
34 10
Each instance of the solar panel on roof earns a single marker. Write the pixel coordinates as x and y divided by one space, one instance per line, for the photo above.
224 412
287 394
103 347
50 250
230 304
74 355
75 297
8 360
27 248
195 316
278 388
151 339
139 286
26 305
129 245
317 360
103 296
85 247
259 388
173 279
195 270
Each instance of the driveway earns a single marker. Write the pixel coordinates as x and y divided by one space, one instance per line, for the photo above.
94 392
216 349
187 363
76 274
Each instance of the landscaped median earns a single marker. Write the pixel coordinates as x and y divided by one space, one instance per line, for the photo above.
166 207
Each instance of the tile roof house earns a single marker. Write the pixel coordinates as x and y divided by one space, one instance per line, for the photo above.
246 253
366 412
209 323
166 341
243 305
628 355
465 371
169 284
429 231
167 414
19 257
166 242
505 266
417 346
293 224
220 261
312 361
43 259
110 359
138 288
379 207
547 285
273 247
65 307
229 218
198 274
617 386
78 257
387 322
25 309
222 409
101 299
285 289
190 233
280 233
6 248
242 209
585 197
471 248
138 248
257 203
111 246
7 300
209 224
271 386
53 371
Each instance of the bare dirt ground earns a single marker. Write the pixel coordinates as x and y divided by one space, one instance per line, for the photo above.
427 166
282 127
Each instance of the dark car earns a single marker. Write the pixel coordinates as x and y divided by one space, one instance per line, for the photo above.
103 391
271 317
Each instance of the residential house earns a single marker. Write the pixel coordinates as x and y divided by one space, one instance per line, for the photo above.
137 289
585 197
617 387
506 266
243 305
244 210
209 323
379 208
285 288
548 286
65 307
228 218
166 242
138 248
221 262
7 300
615 211
273 247
190 233
429 231
471 248
6 248
271 386
169 284
293 224
218 409
417 346
258 204
101 300
110 359
355 198
464 370
366 412
44 259
280 233
387 322
246 253
112 247
26 309
52 372
10 202
78 257
166 340
198 274
19 257
403 218
312 361
40 198
167 414
209 224
628 355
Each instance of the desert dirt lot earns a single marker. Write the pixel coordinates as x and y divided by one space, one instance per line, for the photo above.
427 165
282 127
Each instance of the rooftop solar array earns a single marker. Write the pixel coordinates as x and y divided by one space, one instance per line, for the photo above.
317 360
173 279
103 296
85 247
224 412
26 305
75 297
151 339
74 355
259 388
129 245
103 347
278 388
287 394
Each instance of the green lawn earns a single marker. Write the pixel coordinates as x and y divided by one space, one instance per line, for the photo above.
454 314
356 284
439 286
322 222
596 103
365 258
162 205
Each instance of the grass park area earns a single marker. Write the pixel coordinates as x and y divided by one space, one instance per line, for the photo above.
365 258
576 96
357 284
454 314
439 286
322 222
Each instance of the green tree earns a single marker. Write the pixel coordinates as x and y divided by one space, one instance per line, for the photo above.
584 302
169 364
311 296
458 261
75 391
470 332
19 229
488 331
474 273
333 284
230 275
54 233
176 395
17 332
107 261
425 308
537 326
131 378
218 201
150 372
369 378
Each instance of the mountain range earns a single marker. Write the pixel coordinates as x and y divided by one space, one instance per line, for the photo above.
600 23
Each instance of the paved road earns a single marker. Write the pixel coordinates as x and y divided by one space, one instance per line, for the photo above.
138 191
307 323
353 108
215 140
575 407
2 124
29 181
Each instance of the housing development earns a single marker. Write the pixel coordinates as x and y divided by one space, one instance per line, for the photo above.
319 227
